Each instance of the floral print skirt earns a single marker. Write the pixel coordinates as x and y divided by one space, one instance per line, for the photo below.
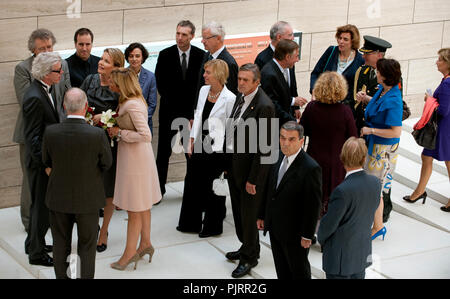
382 164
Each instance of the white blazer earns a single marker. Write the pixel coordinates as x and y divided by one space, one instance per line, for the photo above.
217 118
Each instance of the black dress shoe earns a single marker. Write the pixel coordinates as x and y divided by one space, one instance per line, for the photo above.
102 247
45 260
243 269
233 255
445 209
180 229
206 234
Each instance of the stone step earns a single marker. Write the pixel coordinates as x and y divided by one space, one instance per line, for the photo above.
411 150
407 172
428 213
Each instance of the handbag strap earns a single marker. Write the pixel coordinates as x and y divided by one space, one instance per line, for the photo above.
334 48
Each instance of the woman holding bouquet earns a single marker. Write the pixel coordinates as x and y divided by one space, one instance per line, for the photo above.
137 184
102 99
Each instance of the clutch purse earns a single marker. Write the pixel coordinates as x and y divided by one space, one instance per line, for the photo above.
125 122
220 186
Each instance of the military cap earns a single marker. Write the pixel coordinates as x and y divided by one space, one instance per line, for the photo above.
372 43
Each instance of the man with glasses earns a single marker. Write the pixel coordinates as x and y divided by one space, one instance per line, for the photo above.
213 35
41 40
39 111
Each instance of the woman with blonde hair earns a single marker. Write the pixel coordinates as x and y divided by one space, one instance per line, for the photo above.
101 98
328 124
137 184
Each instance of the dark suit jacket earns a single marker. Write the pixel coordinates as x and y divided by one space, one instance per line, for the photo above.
78 154
38 113
276 87
333 56
292 210
178 96
345 231
247 166
233 70
267 55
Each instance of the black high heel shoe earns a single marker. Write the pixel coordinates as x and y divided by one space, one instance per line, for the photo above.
102 247
408 198
445 209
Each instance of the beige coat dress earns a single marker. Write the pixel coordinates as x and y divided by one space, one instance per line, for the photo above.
137 184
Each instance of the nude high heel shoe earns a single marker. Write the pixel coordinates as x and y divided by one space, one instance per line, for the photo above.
134 259
149 250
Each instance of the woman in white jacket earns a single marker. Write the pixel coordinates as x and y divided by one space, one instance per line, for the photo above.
207 158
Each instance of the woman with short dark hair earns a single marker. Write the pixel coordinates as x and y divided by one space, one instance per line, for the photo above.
382 131
136 55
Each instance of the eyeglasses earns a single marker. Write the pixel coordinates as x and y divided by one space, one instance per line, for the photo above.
57 71
206 38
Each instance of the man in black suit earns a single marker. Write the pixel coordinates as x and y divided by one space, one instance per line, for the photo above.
248 173
280 30
77 155
39 111
345 231
82 63
292 205
276 81
213 36
176 74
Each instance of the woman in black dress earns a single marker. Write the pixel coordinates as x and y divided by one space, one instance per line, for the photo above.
102 98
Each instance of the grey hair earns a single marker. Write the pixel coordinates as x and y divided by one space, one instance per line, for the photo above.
40 33
251 67
278 28
294 126
216 29
74 100
43 63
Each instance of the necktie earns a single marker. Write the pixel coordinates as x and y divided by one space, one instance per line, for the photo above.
184 65
286 75
283 169
237 113
210 57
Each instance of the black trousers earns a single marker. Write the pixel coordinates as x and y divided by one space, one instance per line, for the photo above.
361 275
198 195
39 214
245 210
61 225
165 135
291 259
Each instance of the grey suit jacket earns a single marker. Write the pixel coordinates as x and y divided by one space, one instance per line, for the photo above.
345 231
22 80
78 155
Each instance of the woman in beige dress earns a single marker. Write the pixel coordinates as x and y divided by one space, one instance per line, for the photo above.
137 184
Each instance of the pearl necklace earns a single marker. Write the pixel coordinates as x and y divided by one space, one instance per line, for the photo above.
213 97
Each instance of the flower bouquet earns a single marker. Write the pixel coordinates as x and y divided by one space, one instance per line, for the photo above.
90 115
108 120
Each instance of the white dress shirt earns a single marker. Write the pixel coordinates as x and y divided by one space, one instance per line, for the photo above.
180 53
76 116
47 90
352 172
217 53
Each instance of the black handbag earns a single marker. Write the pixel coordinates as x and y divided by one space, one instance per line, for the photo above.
426 136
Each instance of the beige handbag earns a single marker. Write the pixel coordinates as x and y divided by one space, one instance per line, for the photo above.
125 122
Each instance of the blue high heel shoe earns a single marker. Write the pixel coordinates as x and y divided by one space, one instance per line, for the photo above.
379 233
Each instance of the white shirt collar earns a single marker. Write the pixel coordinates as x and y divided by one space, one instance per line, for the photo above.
353 171
180 52
217 53
46 86
272 47
291 158
281 69
76 116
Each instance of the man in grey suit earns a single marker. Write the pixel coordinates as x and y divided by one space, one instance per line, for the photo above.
345 231
77 154
40 40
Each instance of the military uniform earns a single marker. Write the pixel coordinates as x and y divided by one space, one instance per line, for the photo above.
366 81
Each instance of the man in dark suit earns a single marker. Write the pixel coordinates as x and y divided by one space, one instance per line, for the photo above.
40 40
280 30
39 111
176 74
213 36
345 231
248 173
77 155
82 63
292 205
276 82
